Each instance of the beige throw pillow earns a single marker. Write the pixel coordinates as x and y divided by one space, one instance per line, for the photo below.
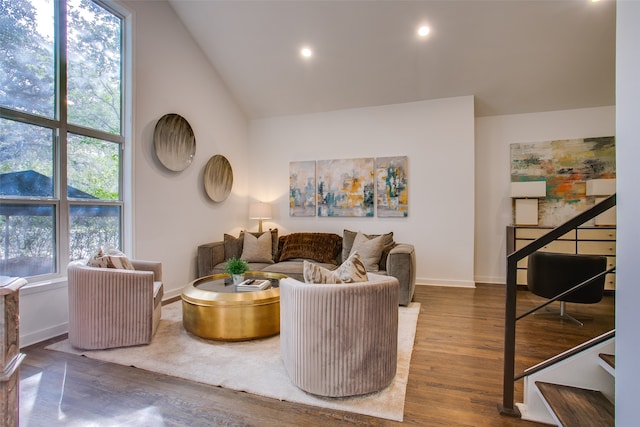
352 270
257 249
110 258
370 250
349 236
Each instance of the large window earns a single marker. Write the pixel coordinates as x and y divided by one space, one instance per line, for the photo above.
62 135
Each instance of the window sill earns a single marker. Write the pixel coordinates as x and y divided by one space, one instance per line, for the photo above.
44 286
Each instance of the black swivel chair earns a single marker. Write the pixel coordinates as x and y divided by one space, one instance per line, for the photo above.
549 274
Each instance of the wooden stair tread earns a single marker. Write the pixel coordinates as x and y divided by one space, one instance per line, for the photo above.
577 406
609 358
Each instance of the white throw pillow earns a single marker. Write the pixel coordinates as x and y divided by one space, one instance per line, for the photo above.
370 250
257 249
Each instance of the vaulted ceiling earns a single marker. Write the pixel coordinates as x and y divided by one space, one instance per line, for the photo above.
514 56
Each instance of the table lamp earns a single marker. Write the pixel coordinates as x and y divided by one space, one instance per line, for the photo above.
602 188
526 195
260 211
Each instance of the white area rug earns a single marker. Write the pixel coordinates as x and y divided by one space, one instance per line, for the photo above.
252 366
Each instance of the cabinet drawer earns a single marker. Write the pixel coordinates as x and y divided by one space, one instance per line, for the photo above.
596 234
610 282
597 248
559 246
521 278
524 262
534 233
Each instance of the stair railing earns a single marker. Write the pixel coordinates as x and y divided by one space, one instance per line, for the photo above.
507 407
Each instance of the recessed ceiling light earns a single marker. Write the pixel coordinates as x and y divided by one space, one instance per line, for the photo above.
306 52
423 31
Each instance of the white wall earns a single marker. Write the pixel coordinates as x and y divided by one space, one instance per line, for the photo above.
493 204
172 214
628 268
437 136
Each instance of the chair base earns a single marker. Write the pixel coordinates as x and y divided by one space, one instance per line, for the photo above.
562 314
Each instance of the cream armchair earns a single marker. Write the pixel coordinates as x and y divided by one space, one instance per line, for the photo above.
112 307
340 340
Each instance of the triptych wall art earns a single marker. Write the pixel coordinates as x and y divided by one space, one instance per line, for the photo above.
566 165
349 187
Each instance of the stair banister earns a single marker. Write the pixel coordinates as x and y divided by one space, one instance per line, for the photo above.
507 407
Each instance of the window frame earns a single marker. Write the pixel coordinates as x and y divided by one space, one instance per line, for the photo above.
61 129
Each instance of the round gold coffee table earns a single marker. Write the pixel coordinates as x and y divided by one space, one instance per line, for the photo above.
212 308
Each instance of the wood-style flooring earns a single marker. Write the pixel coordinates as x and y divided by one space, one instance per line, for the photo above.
455 377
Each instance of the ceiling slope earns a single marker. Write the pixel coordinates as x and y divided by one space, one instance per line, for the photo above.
514 56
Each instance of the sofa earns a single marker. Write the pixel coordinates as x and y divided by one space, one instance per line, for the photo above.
287 254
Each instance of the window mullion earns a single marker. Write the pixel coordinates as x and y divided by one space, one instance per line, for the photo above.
94 133
61 146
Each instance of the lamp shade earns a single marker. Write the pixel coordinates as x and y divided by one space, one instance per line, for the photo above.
260 210
528 189
601 187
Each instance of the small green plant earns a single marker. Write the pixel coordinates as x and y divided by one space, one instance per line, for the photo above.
236 266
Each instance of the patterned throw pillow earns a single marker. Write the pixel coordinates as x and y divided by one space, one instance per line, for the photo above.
351 271
111 258
257 249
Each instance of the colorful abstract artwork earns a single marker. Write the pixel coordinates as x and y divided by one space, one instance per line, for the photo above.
302 188
566 165
345 187
391 187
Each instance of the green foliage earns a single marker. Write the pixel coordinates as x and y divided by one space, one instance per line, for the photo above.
236 266
94 95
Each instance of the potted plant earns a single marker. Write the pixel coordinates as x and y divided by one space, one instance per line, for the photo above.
236 268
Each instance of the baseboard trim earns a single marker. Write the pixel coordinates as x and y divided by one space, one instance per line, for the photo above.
493 280
43 334
447 283
173 294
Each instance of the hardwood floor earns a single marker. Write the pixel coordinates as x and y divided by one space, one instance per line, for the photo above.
455 377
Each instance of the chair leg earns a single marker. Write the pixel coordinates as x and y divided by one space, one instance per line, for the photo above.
564 315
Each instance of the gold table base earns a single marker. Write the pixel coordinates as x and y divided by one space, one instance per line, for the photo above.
231 316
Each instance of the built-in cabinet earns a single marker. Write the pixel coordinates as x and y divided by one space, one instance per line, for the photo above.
583 240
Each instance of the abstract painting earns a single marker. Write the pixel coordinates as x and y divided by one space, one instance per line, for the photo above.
302 188
391 185
566 165
345 187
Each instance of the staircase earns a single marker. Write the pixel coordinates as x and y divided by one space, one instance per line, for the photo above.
578 382
575 388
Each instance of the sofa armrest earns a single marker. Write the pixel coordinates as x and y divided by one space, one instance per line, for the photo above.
401 264
209 255
154 266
